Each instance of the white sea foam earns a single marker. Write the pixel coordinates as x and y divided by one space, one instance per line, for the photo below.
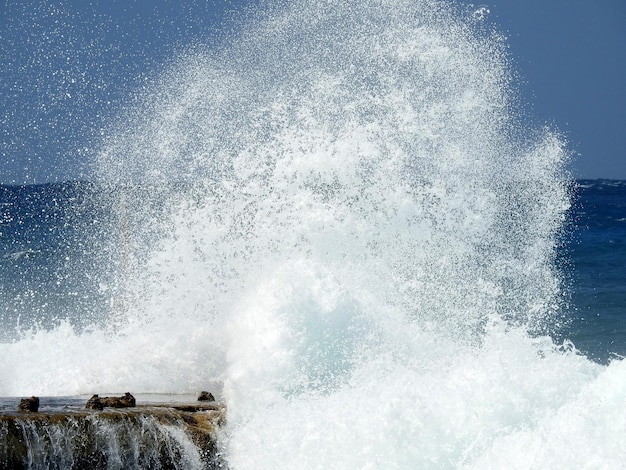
358 242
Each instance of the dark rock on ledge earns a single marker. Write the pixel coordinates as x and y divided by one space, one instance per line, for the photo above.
127 401
94 403
97 403
29 404
206 396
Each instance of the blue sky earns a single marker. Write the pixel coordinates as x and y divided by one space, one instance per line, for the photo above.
571 55
68 66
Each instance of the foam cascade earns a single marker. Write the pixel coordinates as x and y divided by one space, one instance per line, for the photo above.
346 222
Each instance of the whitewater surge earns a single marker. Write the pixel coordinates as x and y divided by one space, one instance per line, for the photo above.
342 218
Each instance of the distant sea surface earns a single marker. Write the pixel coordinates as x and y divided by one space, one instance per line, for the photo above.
596 250
51 266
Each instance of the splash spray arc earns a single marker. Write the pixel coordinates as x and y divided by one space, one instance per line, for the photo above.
344 202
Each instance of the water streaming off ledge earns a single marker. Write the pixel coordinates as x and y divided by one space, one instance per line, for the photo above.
161 432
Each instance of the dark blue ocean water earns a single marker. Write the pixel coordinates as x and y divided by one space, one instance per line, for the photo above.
596 249
52 257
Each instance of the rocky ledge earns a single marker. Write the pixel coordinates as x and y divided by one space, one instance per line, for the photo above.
151 435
